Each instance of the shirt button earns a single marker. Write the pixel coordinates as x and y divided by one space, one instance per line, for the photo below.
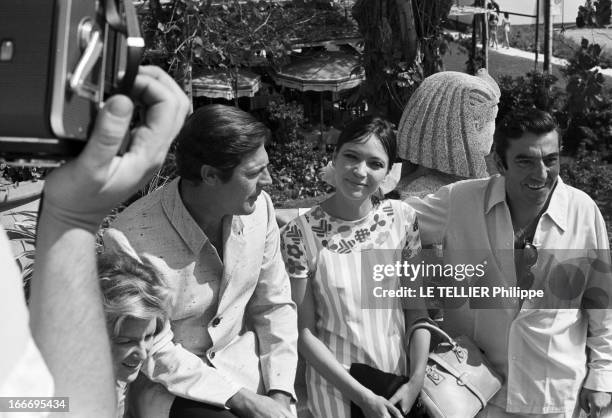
212 355
216 322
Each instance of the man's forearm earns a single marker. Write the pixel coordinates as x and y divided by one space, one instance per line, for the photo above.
67 319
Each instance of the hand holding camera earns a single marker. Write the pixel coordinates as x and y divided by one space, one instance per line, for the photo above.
84 190
53 80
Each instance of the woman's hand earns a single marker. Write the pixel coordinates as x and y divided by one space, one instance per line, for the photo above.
407 394
378 407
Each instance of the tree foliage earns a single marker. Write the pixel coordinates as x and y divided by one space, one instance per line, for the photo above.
594 13
583 109
536 89
200 34
585 82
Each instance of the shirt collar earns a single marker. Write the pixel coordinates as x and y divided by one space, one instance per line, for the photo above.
186 226
181 219
496 192
557 207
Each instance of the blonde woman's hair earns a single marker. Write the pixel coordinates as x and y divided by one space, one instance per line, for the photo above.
131 289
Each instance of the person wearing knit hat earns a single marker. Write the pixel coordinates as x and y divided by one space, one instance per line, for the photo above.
446 130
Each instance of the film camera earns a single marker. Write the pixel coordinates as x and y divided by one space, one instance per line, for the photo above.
59 59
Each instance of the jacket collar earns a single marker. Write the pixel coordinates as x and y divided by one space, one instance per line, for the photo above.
181 219
186 226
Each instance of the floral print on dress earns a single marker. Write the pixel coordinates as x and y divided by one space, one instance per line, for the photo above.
344 237
322 228
317 214
293 251
362 234
293 266
377 222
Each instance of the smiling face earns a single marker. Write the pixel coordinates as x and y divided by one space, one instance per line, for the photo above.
360 167
129 347
239 193
532 169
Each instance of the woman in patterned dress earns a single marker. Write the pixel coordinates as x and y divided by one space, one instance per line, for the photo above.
325 252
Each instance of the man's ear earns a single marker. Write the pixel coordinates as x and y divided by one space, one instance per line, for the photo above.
499 164
209 175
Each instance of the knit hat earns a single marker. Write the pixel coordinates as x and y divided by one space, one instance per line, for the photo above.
443 124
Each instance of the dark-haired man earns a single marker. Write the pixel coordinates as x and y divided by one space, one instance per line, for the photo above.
212 234
553 361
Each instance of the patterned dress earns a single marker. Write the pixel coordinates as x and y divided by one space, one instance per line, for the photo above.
333 253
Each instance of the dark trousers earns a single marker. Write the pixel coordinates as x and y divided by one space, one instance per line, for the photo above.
186 408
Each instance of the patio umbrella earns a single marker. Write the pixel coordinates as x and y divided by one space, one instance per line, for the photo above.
322 71
219 84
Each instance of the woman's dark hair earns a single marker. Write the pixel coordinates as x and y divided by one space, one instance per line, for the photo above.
219 136
514 125
360 129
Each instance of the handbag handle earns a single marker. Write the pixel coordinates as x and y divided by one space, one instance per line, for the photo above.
432 327
460 352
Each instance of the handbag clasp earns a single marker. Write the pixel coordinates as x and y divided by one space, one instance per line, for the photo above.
460 352
433 374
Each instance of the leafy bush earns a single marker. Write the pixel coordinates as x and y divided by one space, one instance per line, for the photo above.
583 110
534 90
18 174
594 13
592 130
589 173
588 107
285 119
294 167
585 84
602 14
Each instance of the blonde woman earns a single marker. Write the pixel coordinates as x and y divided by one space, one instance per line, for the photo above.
136 304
